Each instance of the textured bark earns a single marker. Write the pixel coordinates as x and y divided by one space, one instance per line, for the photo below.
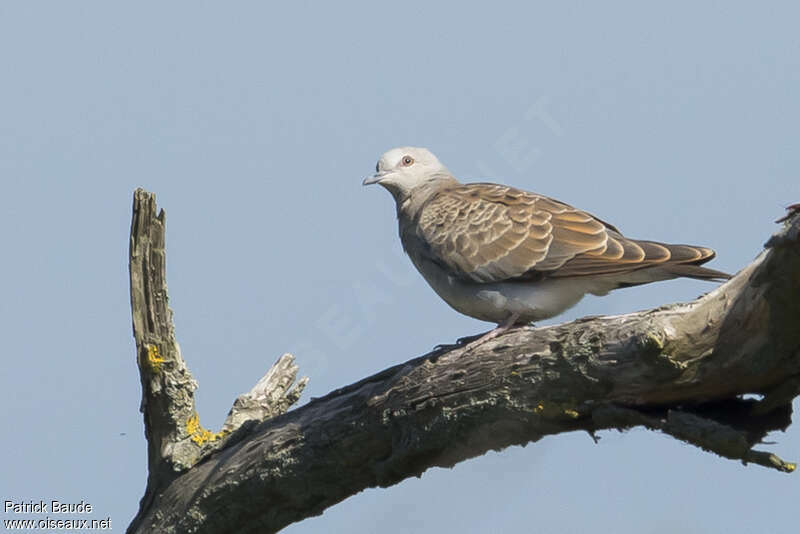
176 440
681 369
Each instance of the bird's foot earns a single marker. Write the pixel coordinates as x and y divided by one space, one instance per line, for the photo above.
507 325
468 339
444 347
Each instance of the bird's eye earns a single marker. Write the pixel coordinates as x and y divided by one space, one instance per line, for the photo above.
407 161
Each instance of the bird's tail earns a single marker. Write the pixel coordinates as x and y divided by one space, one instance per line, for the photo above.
689 270
660 261
679 261
686 261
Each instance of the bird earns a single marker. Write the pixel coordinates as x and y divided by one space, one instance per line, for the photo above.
513 257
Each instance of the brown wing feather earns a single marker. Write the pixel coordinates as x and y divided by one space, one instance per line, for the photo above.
491 233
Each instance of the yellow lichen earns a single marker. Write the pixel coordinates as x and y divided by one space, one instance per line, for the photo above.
556 410
654 341
198 434
154 358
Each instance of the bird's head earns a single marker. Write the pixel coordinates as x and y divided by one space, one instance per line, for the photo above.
400 170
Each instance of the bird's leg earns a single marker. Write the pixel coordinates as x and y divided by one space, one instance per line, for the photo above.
491 334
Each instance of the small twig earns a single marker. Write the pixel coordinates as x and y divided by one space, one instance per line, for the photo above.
273 395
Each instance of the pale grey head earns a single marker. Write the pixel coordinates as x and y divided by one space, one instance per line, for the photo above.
402 169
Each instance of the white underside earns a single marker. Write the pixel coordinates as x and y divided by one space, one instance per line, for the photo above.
532 301
496 302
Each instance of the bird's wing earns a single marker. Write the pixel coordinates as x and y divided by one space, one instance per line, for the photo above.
493 233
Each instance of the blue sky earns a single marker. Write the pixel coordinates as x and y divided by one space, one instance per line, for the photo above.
255 123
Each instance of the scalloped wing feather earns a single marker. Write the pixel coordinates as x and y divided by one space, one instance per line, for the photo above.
493 233
490 233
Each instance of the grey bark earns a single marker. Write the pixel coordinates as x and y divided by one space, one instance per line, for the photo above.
681 369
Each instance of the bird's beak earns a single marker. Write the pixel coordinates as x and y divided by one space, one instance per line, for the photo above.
374 179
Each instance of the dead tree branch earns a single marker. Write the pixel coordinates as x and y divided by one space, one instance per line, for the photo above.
680 369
